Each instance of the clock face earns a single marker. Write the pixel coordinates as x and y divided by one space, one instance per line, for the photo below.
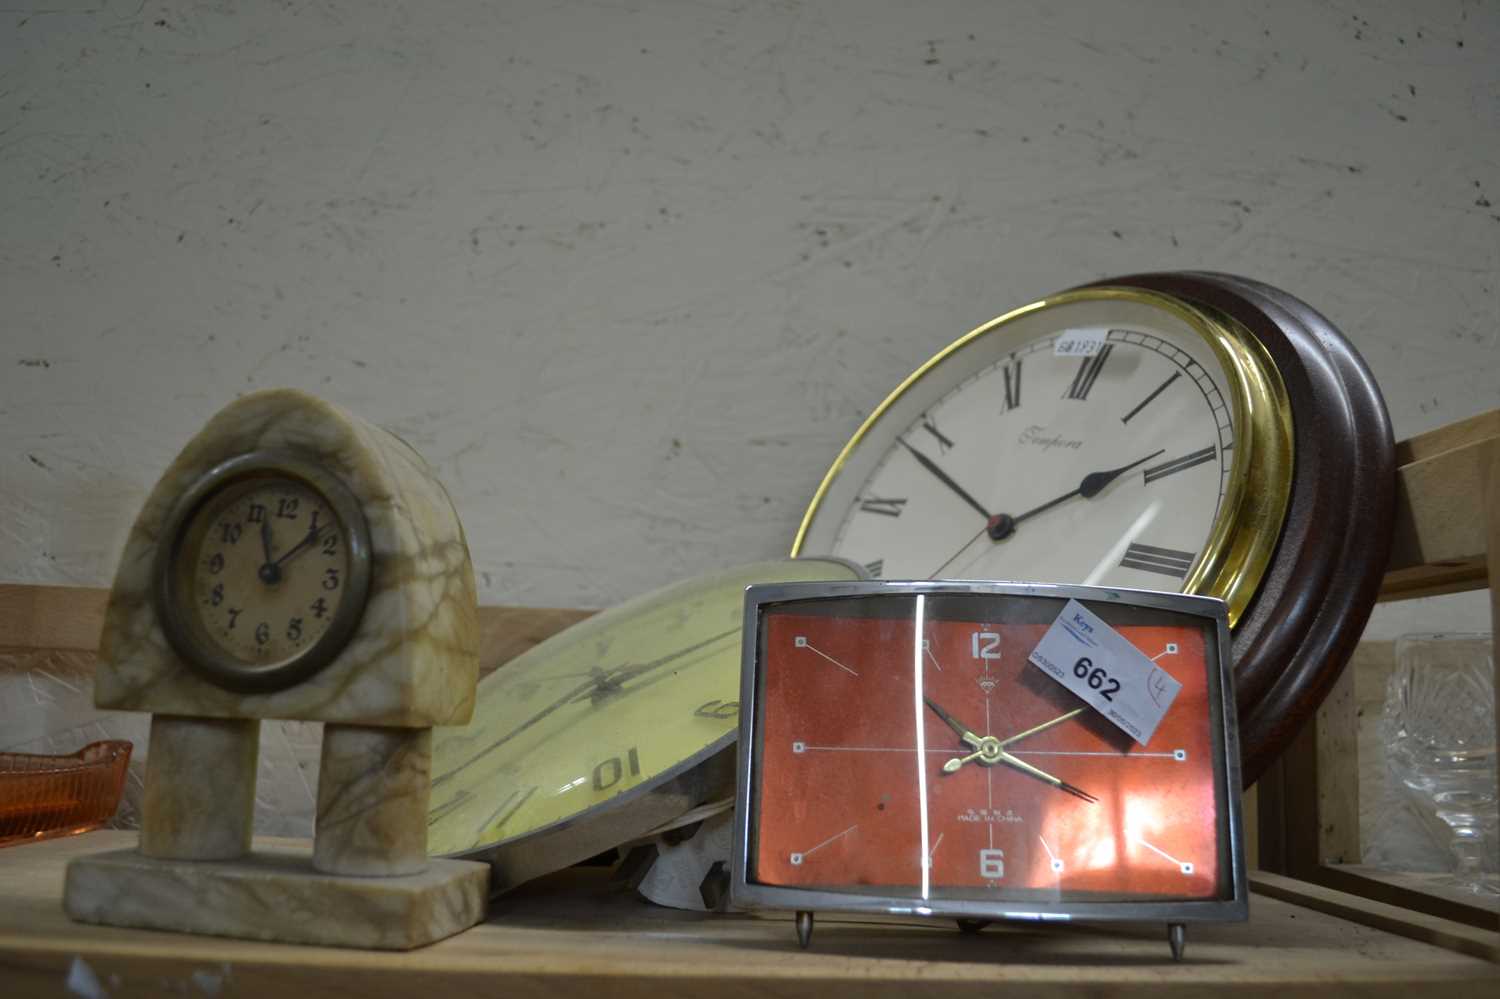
263 571
1097 438
595 717
268 562
863 783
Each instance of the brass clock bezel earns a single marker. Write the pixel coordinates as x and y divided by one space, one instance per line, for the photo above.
1247 526
171 595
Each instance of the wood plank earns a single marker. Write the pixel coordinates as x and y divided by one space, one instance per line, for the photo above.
572 935
1337 747
50 617
69 618
1440 932
1439 545
1484 426
1434 894
1437 500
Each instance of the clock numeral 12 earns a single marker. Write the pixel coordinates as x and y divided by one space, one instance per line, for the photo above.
1088 373
985 645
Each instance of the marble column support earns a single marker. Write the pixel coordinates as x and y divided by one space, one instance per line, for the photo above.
374 784
199 802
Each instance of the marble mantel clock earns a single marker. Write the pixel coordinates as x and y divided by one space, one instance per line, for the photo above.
294 562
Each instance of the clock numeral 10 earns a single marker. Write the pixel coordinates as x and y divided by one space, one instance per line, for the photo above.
984 645
608 773
992 864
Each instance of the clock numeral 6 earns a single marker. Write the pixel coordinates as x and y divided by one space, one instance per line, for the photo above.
992 864
262 633
985 645
608 773
1096 678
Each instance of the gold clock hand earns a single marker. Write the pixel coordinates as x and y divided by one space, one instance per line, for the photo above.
1042 775
958 761
1042 727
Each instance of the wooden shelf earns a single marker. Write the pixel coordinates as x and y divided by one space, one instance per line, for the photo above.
572 934
1447 539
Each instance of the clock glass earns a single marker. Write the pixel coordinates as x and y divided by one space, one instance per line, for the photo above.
268 568
903 752
603 732
1104 436
266 572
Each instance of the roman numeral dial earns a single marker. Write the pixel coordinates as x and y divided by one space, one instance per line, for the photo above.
1077 451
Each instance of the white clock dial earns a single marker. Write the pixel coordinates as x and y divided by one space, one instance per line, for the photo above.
1090 441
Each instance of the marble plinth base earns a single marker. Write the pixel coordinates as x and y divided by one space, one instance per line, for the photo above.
277 896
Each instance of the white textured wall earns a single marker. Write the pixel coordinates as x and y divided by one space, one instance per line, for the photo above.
629 273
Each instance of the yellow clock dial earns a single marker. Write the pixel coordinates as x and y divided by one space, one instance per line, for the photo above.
268 562
595 717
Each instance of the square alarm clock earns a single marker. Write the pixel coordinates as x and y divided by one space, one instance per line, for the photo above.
988 751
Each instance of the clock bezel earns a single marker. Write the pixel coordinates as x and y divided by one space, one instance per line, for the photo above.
1242 541
171 591
751 894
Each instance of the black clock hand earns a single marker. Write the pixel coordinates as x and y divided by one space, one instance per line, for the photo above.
268 571
944 478
1003 525
961 549
957 726
311 538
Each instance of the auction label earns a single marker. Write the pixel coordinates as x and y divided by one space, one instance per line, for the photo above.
1098 664
1082 342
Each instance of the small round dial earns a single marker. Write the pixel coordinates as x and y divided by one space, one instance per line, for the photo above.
269 566
264 572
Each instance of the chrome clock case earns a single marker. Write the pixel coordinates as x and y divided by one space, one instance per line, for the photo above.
762 602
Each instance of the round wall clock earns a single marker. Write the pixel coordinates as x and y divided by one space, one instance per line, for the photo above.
264 573
1190 432
605 732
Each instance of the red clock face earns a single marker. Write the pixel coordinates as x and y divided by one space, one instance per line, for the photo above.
861 776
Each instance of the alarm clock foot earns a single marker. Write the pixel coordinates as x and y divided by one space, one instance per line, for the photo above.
1177 938
972 925
804 928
